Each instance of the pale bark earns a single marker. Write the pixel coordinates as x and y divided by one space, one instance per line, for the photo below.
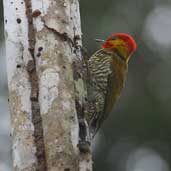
43 39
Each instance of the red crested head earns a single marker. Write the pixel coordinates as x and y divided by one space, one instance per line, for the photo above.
122 42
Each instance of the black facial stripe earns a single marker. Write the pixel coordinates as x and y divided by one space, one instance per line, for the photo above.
119 55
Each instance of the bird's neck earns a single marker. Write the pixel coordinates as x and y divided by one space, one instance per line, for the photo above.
120 55
122 52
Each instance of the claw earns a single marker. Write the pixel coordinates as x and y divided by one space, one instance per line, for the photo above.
84 146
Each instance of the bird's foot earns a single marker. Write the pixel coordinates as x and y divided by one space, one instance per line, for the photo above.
84 146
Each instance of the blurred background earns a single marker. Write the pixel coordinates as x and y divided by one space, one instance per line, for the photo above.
137 135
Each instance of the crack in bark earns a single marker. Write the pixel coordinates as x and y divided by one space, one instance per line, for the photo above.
62 36
34 97
65 37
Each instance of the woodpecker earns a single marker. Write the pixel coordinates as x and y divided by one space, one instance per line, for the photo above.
107 72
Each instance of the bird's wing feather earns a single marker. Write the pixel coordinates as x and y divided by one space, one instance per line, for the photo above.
107 76
100 70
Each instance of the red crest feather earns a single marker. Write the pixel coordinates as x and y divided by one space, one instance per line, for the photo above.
131 43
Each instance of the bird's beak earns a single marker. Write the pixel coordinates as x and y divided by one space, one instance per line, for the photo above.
108 45
99 40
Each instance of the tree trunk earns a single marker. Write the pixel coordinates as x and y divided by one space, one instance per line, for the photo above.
43 40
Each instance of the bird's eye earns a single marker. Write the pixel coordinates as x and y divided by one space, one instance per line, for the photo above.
113 38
